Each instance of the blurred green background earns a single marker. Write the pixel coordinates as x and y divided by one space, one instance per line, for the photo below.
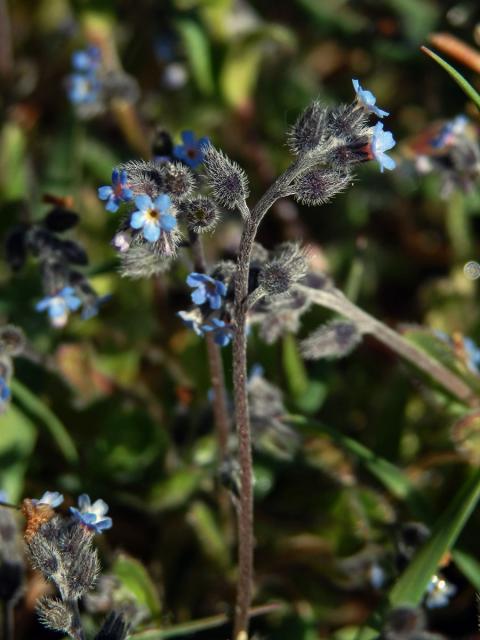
130 387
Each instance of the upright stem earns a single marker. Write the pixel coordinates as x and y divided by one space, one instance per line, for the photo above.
336 301
77 621
7 620
242 418
217 375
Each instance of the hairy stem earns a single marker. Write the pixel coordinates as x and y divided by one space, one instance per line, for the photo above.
7 620
77 627
336 301
242 419
217 374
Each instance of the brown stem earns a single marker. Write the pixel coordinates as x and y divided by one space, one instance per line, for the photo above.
215 362
336 301
242 418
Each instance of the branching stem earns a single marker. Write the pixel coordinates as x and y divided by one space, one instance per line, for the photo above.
335 300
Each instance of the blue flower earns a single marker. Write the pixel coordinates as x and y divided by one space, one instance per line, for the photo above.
222 332
206 290
5 393
92 515
52 498
367 99
86 60
153 216
448 132
117 193
83 85
190 152
382 141
191 320
59 305
439 592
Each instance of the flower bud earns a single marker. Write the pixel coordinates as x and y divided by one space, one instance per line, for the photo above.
179 181
142 261
335 339
144 177
226 178
200 214
12 340
115 627
318 186
55 615
307 132
287 267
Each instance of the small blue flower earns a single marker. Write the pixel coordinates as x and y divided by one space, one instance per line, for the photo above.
368 100
448 132
192 321
190 152
222 332
59 305
382 141
206 290
117 193
92 515
153 216
439 592
52 498
5 392
86 60
83 88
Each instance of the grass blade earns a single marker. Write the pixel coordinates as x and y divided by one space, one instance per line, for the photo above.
459 79
39 410
411 586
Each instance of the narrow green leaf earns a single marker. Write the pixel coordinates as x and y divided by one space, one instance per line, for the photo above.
468 565
392 478
294 367
459 79
410 587
135 578
197 50
18 435
209 534
39 410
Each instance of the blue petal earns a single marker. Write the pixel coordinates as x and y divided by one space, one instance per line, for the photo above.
137 220
221 288
84 501
387 162
115 177
102 525
143 202
179 152
105 192
199 296
215 301
194 279
127 194
188 138
168 222
151 231
43 304
112 205
162 202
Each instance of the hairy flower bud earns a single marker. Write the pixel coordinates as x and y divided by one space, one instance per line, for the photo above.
318 186
307 132
226 178
144 177
288 266
200 214
179 181
55 615
335 339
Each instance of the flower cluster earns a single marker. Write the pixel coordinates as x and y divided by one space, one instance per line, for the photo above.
61 548
338 138
66 289
12 344
210 313
452 151
91 85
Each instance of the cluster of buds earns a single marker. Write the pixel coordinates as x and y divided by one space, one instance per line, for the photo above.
91 86
66 289
61 548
